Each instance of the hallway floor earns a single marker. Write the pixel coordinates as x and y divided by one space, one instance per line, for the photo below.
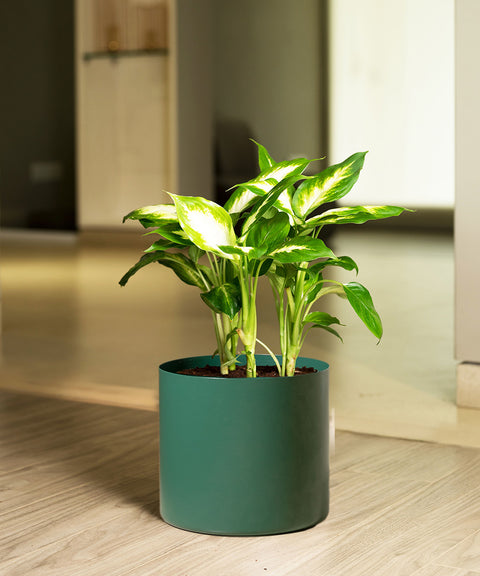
70 331
80 498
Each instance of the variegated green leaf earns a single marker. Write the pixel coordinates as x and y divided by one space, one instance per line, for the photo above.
260 188
242 198
224 299
247 195
313 289
361 301
282 275
328 329
324 321
319 290
331 184
321 318
344 262
303 249
183 267
354 215
284 204
144 261
250 251
195 253
263 268
207 224
171 231
269 233
267 202
207 273
161 244
281 170
154 214
265 161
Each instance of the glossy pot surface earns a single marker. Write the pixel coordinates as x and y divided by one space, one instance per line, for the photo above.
243 456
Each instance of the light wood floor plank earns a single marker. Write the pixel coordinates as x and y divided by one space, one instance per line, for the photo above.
436 570
466 553
79 497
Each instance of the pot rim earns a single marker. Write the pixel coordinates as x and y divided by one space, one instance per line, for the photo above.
172 367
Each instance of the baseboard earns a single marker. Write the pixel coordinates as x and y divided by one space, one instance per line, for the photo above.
468 385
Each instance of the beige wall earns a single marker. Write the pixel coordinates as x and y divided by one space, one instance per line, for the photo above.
467 200
143 123
122 130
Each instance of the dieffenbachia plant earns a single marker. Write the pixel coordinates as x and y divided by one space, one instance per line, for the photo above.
300 282
267 227
182 247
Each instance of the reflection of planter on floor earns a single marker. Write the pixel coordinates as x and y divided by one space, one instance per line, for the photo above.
243 456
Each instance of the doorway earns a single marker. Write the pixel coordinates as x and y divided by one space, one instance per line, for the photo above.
37 143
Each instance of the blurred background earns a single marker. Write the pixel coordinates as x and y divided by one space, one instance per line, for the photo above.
108 103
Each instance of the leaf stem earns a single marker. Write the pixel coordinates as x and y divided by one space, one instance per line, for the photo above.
277 364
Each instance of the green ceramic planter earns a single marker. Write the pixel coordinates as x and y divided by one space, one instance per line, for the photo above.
243 456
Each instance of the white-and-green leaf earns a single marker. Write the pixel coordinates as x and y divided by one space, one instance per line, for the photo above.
207 224
354 215
344 262
250 251
331 184
321 318
161 213
281 170
269 233
361 301
171 231
320 290
265 161
224 299
183 267
161 244
302 249
284 203
263 207
243 198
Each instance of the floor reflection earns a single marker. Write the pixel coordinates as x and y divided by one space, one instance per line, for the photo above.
69 328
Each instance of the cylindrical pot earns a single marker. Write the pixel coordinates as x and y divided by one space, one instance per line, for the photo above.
243 456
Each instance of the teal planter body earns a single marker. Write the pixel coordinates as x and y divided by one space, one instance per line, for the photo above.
243 456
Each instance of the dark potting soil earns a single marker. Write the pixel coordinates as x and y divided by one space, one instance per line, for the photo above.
241 371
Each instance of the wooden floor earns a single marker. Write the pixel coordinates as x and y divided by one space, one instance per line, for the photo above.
79 497
70 331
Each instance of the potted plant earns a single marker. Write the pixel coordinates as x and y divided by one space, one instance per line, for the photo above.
242 453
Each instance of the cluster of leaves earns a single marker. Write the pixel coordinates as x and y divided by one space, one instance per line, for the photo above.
268 227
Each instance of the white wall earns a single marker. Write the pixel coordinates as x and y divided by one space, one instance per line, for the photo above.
392 93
